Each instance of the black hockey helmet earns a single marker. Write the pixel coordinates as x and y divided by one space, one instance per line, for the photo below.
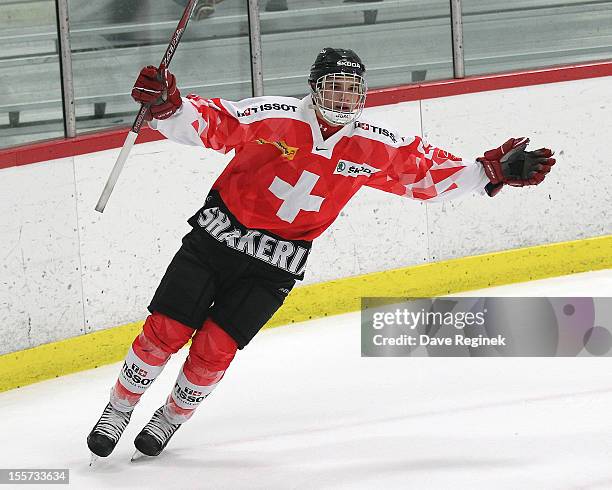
337 85
335 60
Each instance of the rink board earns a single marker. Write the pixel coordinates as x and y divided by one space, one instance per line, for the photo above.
330 298
69 271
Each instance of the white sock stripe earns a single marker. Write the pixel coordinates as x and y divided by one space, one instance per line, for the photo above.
136 375
188 395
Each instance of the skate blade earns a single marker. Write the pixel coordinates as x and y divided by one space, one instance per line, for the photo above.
138 455
93 459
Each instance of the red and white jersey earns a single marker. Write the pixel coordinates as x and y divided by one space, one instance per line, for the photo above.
287 179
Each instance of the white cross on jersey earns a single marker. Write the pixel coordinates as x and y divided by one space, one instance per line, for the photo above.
296 198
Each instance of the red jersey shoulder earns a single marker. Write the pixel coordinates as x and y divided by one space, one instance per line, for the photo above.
381 132
255 109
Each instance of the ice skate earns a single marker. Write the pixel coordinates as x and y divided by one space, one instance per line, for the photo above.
106 433
154 437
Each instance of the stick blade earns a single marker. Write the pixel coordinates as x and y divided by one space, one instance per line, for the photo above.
93 460
138 455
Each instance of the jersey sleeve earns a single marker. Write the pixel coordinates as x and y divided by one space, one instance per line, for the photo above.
210 123
426 173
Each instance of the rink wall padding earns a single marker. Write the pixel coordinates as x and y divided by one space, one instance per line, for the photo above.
68 271
330 298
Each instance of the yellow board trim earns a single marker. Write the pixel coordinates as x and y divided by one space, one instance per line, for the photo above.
331 298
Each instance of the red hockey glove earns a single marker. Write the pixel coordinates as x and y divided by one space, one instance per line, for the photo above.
510 164
157 88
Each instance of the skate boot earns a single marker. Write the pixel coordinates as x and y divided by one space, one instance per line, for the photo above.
106 433
154 437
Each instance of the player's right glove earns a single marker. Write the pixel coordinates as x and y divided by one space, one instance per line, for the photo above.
158 89
510 164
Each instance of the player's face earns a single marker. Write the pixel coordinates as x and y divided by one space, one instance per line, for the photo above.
341 93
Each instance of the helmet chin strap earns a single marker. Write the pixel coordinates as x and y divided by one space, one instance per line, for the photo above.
326 115
337 118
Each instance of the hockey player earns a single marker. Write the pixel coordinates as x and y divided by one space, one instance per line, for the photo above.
296 165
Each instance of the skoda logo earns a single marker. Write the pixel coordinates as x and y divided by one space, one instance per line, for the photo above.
348 63
341 167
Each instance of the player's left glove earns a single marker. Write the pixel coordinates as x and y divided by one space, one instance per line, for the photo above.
510 164
158 89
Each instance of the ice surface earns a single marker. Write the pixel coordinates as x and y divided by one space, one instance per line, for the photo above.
300 409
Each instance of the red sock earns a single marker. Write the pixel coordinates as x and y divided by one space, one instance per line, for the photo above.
161 337
211 353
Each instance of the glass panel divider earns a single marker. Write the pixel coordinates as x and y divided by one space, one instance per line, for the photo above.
255 43
457 36
63 34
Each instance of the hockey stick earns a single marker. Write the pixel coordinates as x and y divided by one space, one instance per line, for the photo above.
133 134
